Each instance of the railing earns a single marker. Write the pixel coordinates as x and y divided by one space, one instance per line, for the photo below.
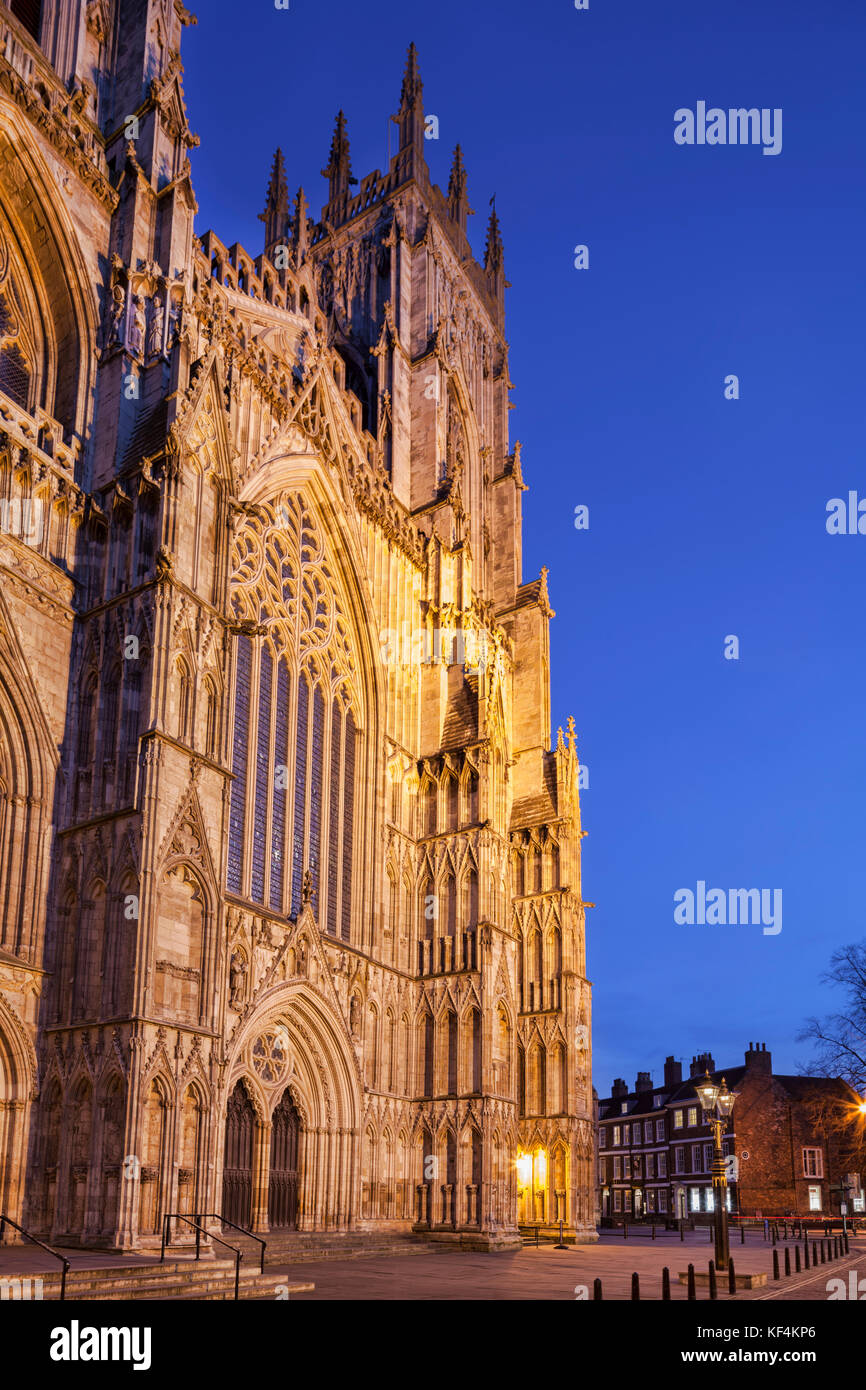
218 1216
7 1221
199 1232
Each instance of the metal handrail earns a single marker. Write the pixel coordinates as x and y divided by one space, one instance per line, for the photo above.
7 1220
199 1231
218 1216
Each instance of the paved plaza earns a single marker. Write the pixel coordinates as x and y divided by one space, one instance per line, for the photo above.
546 1273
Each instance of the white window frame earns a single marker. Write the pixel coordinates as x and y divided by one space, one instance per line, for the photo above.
678 1119
693 1117
813 1163
660 1130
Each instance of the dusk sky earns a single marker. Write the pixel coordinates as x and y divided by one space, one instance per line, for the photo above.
707 516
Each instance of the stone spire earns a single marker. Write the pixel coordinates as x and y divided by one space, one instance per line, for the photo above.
339 169
300 230
458 202
276 213
494 257
411 114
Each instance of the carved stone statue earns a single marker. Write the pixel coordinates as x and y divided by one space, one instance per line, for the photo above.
154 337
237 972
138 325
115 326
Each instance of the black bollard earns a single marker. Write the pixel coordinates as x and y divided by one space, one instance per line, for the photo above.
796 1259
732 1278
635 1285
787 1262
847 1244
625 1230
805 1254
682 1236
653 1230
775 1264
742 1235
666 1284
773 1234
596 1289
691 1294
823 1253
714 1293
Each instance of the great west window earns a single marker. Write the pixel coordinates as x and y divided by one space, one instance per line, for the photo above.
295 731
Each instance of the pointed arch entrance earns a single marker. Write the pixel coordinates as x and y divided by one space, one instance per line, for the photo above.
238 1160
283 1178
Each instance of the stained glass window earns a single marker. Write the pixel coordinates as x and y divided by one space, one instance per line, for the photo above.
300 796
348 824
281 759
239 764
264 766
317 761
334 826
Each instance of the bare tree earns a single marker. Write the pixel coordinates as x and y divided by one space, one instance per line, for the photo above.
840 1039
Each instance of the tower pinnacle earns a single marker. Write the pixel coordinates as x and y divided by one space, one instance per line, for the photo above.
339 167
276 213
411 116
458 202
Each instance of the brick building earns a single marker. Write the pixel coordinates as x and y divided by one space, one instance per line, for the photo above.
792 1144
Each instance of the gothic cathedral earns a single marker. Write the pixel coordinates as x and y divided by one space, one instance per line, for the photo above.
292 926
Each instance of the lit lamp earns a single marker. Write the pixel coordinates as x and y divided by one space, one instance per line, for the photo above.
717 1103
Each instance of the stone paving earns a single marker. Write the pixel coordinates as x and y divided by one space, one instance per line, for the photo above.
546 1273
528 1274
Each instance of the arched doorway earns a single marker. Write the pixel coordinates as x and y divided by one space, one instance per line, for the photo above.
283 1182
238 1159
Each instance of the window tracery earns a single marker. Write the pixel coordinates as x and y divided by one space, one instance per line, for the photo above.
295 729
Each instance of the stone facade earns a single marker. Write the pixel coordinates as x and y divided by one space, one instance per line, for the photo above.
292 925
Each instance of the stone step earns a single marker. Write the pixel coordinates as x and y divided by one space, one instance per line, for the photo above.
176 1279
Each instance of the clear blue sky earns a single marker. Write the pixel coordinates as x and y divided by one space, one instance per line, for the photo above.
707 516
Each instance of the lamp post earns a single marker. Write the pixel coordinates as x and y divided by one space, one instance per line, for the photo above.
717 1103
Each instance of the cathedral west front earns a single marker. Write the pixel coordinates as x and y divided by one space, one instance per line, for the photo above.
292 926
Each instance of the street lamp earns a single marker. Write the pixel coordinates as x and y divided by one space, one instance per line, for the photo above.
717 1103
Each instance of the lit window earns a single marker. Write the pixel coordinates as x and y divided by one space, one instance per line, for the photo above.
694 1198
617 1135
626 1134
617 1200
711 1201
650 1166
814 1199
626 1167
627 1196
693 1115
617 1168
623 1109
678 1119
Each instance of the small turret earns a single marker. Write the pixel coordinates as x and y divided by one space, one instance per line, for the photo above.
410 117
339 168
458 202
494 258
276 213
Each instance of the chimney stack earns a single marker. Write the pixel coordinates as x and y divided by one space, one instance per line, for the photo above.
702 1063
759 1059
619 1089
673 1073
644 1082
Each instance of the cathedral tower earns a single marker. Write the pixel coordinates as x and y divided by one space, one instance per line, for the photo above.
294 928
